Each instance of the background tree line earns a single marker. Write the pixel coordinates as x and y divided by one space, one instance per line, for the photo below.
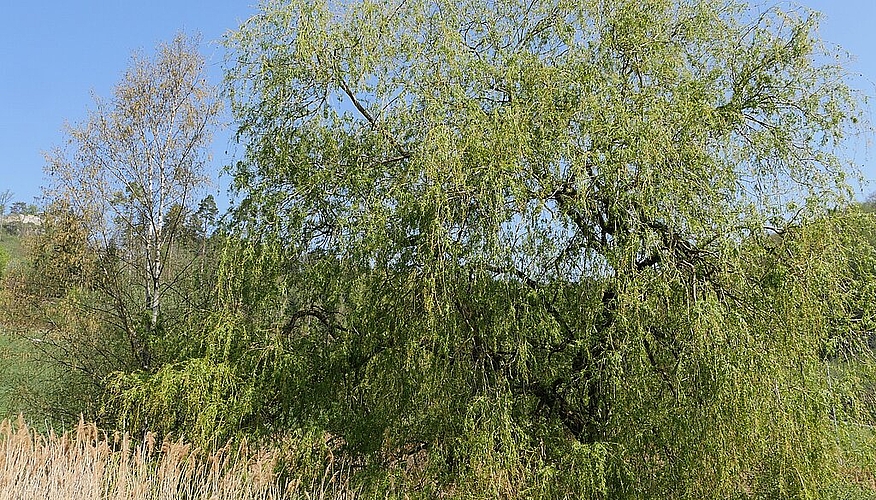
514 249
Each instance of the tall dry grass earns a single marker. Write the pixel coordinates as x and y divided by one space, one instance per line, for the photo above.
86 464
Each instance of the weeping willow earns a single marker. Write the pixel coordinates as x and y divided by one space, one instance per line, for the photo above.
543 248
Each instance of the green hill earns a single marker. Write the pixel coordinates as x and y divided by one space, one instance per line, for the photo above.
10 249
14 350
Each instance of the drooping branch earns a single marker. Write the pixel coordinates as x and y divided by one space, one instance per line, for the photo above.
403 153
326 318
534 285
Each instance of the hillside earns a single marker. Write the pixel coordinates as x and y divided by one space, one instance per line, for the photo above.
14 351
11 245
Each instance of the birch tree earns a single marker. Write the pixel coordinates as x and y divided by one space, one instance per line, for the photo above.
139 154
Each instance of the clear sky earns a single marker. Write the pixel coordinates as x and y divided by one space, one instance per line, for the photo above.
54 54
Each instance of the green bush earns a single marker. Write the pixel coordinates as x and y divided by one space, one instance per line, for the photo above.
4 259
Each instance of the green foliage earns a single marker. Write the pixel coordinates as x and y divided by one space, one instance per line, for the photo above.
114 283
59 255
553 249
66 340
4 259
131 170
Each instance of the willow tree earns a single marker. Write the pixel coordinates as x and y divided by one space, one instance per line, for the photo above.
131 171
555 248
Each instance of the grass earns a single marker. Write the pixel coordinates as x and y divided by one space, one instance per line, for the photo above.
21 375
19 371
14 351
12 251
11 244
86 464
12 371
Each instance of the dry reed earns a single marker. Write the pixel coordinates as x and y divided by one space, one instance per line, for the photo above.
87 464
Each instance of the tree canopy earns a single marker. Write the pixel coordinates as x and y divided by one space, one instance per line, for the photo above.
107 287
523 238
130 171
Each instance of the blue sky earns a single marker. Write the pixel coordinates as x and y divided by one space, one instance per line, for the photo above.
54 54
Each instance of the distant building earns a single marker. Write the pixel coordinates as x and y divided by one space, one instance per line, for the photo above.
20 224
22 219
